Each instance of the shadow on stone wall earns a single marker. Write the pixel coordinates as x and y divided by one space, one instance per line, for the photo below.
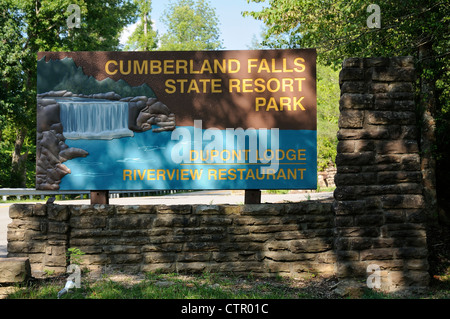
266 239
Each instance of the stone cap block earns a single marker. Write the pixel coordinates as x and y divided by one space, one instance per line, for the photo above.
14 270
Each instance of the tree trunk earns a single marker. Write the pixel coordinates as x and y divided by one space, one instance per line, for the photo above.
18 167
428 136
145 32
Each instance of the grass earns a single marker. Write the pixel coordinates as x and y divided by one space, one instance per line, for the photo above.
204 286
167 286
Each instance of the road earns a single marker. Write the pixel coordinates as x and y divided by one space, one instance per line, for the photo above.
202 197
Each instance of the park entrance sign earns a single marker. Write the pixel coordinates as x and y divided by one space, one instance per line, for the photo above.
177 120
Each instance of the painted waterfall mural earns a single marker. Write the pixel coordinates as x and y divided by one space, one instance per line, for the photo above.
93 119
74 129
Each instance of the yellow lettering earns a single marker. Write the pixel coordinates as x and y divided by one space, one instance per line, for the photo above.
297 102
235 84
274 66
168 67
191 70
195 153
216 86
142 69
250 175
285 69
196 174
272 104
193 87
182 82
277 85
259 102
107 67
121 67
237 66
301 155
184 174
127 174
260 87
285 101
181 65
160 174
151 174
222 67
290 154
301 66
155 67
288 85
247 85
232 174
170 87
264 66
251 65
141 176
301 172
299 82
281 174
212 174
222 174
206 67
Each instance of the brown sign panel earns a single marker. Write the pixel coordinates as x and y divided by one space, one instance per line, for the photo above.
248 89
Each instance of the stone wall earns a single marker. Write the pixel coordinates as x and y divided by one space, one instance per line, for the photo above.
379 205
326 177
262 239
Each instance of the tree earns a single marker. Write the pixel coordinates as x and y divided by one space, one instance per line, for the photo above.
15 57
190 26
143 38
339 29
31 26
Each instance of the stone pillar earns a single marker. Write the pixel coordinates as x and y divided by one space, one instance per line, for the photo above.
40 233
379 205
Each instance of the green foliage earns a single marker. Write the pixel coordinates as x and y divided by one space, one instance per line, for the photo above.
101 24
143 38
339 28
328 93
27 27
191 26
74 255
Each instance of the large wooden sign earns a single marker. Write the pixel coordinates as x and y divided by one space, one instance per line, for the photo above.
177 120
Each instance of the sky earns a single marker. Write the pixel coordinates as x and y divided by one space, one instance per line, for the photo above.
237 31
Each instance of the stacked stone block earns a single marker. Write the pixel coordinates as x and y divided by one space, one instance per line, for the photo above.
379 205
39 232
266 239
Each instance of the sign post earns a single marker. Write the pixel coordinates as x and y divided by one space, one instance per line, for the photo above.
252 196
100 197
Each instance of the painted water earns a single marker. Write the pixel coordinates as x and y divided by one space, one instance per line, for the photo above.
122 159
144 161
84 118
